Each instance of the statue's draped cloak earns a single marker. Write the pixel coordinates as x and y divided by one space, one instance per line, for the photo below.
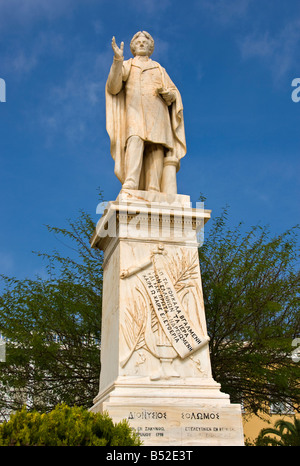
139 110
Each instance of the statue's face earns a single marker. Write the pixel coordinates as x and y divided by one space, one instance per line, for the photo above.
142 46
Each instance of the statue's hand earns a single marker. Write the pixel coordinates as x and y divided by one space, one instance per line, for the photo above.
117 51
167 95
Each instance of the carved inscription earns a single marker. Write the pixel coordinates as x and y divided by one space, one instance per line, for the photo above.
170 312
156 424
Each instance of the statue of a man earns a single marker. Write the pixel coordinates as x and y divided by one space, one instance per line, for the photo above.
144 115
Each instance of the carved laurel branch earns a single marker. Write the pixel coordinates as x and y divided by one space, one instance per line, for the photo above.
182 270
134 328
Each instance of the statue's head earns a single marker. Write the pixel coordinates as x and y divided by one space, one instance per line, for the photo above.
142 44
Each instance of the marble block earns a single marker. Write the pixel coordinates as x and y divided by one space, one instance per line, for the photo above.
154 341
204 424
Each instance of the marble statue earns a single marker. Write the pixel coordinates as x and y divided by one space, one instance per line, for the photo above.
144 119
155 360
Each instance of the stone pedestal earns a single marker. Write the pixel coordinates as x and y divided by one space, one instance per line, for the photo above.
155 364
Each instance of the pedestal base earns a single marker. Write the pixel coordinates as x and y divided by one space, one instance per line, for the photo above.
166 414
155 363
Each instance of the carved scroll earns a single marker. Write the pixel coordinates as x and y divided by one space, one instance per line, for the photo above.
159 319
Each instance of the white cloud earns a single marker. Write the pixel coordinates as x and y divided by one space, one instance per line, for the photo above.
23 58
161 48
98 26
224 11
21 62
22 13
258 45
7 263
75 105
151 7
278 51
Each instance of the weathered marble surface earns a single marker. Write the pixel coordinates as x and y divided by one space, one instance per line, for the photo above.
154 344
205 423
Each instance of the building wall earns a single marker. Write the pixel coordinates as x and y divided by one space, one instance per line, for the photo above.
253 424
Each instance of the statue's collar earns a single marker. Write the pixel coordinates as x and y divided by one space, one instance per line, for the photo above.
144 64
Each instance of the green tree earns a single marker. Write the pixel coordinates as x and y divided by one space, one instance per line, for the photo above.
251 292
284 434
65 426
52 327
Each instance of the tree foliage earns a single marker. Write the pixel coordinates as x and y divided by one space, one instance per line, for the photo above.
65 426
52 327
283 434
251 292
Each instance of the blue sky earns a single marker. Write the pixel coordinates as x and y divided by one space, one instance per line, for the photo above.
233 62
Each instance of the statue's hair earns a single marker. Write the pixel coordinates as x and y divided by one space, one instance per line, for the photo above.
146 34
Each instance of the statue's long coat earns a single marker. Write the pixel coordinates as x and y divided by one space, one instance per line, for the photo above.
135 108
